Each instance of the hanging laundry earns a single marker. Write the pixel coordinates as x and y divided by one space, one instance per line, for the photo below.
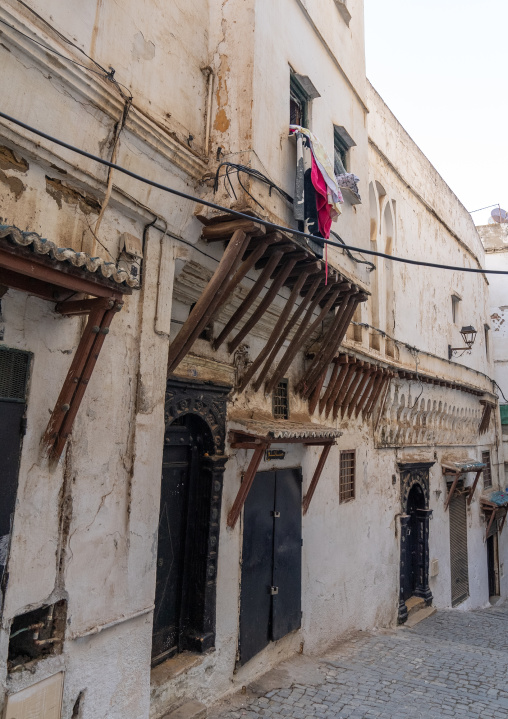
349 181
316 194
323 161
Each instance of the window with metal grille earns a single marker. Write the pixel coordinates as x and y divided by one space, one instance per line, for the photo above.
487 472
347 476
14 366
280 400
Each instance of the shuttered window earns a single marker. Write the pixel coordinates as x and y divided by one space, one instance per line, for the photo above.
487 472
458 549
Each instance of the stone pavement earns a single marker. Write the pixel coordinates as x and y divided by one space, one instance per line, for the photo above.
453 664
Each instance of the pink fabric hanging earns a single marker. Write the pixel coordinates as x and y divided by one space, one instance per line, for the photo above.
322 205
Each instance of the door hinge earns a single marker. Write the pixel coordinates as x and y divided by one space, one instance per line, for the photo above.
22 426
274 590
276 515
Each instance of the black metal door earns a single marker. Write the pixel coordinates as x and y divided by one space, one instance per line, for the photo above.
270 602
171 542
287 553
491 563
14 367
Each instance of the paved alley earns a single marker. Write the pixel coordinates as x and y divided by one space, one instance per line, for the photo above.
453 664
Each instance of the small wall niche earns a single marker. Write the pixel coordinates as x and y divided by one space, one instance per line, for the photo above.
36 635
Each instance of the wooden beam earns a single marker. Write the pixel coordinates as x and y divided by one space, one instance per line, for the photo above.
275 335
209 300
333 378
315 479
332 341
367 391
250 299
303 334
84 307
287 329
314 398
225 230
491 520
246 484
33 286
452 489
359 390
357 379
348 379
369 407
332 395
473 487
265 303
37 267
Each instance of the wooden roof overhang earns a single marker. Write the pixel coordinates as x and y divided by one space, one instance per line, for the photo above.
454 470
354 387
24 268
493 511
261 438
315 295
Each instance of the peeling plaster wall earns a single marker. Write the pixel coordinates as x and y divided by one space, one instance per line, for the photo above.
87 530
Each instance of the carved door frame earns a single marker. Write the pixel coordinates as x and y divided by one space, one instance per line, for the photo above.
209 402
411 474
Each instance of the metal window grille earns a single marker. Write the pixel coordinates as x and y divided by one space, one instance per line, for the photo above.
487 472
347 476
280 399
458 550
14 367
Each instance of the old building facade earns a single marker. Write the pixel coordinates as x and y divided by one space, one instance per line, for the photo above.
225 444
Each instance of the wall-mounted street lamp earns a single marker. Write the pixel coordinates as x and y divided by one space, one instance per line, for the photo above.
468 335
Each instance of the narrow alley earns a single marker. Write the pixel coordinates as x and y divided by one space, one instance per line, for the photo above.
453 664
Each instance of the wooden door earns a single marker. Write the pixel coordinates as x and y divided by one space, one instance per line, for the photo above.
458 549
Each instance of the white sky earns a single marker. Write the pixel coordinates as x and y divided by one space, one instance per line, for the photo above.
442 68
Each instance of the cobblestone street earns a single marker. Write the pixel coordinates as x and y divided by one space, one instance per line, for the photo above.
453 664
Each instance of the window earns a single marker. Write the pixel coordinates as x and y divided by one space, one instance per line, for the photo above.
487 472
347 476
455 309
280 400
342 143
301 92
486 330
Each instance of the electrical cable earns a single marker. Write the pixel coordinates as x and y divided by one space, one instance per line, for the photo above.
102 72
242 215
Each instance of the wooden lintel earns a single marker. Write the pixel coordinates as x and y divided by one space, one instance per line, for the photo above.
315 479
32 285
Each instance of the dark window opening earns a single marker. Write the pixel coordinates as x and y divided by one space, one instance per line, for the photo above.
14 365
280 399
298 103
486 330
36 635
347 476
487 472
342 143
455 309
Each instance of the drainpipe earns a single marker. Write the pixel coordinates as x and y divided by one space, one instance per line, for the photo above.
208 73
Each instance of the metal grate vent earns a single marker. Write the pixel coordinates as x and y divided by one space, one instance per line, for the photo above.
14 366
487 472
347 476
458 549
280 400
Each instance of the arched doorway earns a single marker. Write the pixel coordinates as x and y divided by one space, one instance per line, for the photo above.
414 535
415 502
189 520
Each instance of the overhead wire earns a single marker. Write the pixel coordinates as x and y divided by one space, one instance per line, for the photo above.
236 213
102 72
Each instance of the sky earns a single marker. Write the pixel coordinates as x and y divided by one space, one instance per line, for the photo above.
442 68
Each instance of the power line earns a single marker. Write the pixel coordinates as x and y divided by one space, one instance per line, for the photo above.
242 215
